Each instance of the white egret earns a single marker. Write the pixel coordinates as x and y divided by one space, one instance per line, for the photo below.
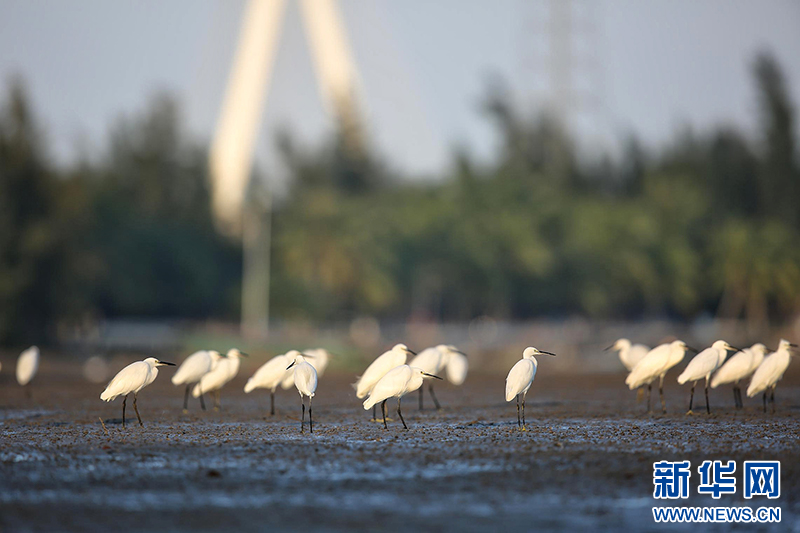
654 365
629 354
456 365
430 360
770 372
269 376
27 365
318 358
226 370
378 368
305 379
520 378
132 379
396 383
738 367
703 365
192 371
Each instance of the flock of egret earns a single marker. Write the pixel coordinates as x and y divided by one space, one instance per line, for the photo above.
390 375
646 365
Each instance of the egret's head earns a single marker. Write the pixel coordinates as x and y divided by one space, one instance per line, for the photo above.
759 348
722 345
452 348
152 361
400 347
680 345
530 351
619 344
424 374
786 345
215 355
296 358
235 352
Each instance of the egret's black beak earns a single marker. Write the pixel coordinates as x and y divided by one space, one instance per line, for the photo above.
411 352
695 350
462 353
166 363
307 355
733 349
792 345
290 366
610 347
244 354
547 353
431 376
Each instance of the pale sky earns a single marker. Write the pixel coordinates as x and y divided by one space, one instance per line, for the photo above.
647 67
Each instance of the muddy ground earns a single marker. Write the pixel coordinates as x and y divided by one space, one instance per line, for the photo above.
584 464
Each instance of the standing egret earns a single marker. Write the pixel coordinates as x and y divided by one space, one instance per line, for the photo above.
225 371
770 372
430 360
703 365
456 365
654 365
738 367
132 379
318 358
305 379
192 371
378 368
27 365
520 378
270 375
629 354
396 383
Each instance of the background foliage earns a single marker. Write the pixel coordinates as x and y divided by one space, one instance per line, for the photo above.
708 224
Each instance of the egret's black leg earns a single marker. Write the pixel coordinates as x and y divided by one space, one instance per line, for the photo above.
736 397
186 400
691 398
519 420
523 410
420 399
661 394
383 412
310 420
772 399
303 414
125 400
765 401
272 402
202 403
374 416
708 407
401 414
135 408
435 401
649 390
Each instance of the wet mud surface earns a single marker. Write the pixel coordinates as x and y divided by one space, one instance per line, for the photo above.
585 462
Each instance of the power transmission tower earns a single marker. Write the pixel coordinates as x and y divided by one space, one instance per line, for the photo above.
232 149
559 66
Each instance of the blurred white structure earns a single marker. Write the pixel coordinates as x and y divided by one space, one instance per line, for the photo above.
231 156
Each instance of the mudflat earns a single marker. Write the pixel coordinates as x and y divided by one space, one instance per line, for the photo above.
584 463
